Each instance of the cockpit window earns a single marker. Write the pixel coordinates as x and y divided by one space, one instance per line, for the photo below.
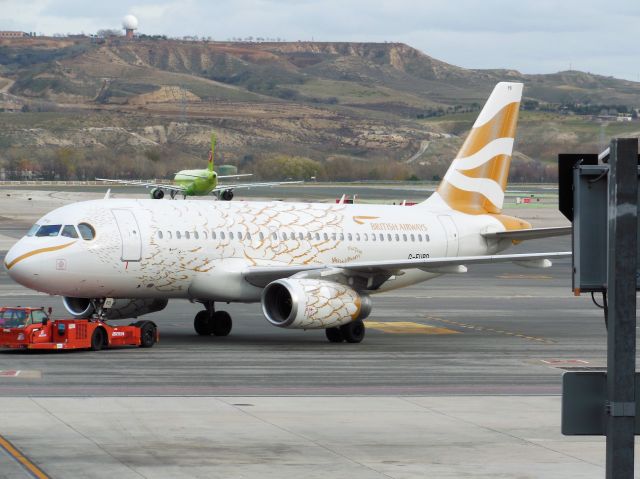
49 230
33 230
69 231
38 316
86 231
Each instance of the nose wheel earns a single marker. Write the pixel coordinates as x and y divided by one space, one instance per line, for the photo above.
208 322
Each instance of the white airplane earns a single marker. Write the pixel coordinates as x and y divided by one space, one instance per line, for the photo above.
312 266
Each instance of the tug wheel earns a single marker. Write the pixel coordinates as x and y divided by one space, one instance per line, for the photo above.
98 339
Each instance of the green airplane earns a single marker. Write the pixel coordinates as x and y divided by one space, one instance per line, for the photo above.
196 182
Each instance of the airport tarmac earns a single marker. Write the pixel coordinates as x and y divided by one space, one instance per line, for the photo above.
457 377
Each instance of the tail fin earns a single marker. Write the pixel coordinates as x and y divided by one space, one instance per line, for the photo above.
476 180
211 152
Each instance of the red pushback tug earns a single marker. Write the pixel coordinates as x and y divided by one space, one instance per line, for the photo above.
31 328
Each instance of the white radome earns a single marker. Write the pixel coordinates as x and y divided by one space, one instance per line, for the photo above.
130 22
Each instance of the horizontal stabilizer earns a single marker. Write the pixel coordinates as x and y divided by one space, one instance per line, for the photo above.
535 263
534 233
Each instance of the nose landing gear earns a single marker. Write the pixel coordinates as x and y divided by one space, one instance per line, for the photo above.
209 321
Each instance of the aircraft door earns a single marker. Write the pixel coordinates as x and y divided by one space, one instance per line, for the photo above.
451 234
129 234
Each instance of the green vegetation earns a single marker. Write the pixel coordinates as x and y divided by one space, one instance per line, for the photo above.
336 111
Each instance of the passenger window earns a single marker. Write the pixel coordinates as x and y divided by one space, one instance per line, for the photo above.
240 235
196 235
341 236
261 236
309 238
178 235
221 235
334 236
381 237
397 237
169 234
420 238
366 237
389 237
274 236
413 238
213 234
404 238
426 237
284 236
373 237
186 235
248 237
204 235
301 236
159 234
86 231
318 236
33 230
69 231
357 236
230 235
349 237
48 230
326 236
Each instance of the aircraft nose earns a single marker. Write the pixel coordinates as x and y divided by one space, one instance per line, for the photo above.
22 268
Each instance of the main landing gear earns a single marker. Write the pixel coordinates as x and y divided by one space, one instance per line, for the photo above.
352 332
209 321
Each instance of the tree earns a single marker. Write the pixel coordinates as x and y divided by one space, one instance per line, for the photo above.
283 167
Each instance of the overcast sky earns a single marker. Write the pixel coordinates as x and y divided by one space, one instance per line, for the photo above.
533 36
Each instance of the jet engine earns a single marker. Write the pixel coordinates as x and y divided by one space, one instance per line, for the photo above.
157 194
120 309
312 304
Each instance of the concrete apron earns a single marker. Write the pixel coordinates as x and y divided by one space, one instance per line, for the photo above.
311 437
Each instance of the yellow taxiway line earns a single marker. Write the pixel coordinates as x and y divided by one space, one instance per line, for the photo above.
22 459
407 327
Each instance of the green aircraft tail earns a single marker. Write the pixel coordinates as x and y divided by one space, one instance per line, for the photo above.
213 146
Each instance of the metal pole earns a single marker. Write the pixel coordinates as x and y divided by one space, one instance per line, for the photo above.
621 287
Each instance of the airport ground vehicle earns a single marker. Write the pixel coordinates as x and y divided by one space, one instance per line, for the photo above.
31 328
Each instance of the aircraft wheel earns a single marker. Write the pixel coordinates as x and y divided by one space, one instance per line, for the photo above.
201 323
98 339
148 333
221 323
334 335
353 332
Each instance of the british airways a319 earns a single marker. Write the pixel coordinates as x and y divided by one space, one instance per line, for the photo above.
310 265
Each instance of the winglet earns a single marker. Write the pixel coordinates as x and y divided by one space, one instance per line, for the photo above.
211 152
107 195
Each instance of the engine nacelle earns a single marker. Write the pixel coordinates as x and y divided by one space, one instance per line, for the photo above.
121 308
157 194
312 304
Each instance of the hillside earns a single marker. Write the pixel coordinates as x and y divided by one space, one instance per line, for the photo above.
350 106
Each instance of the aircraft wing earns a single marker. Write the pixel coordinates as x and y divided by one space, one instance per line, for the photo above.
534 233
177 188
380 271
224 176
253 185
235 176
